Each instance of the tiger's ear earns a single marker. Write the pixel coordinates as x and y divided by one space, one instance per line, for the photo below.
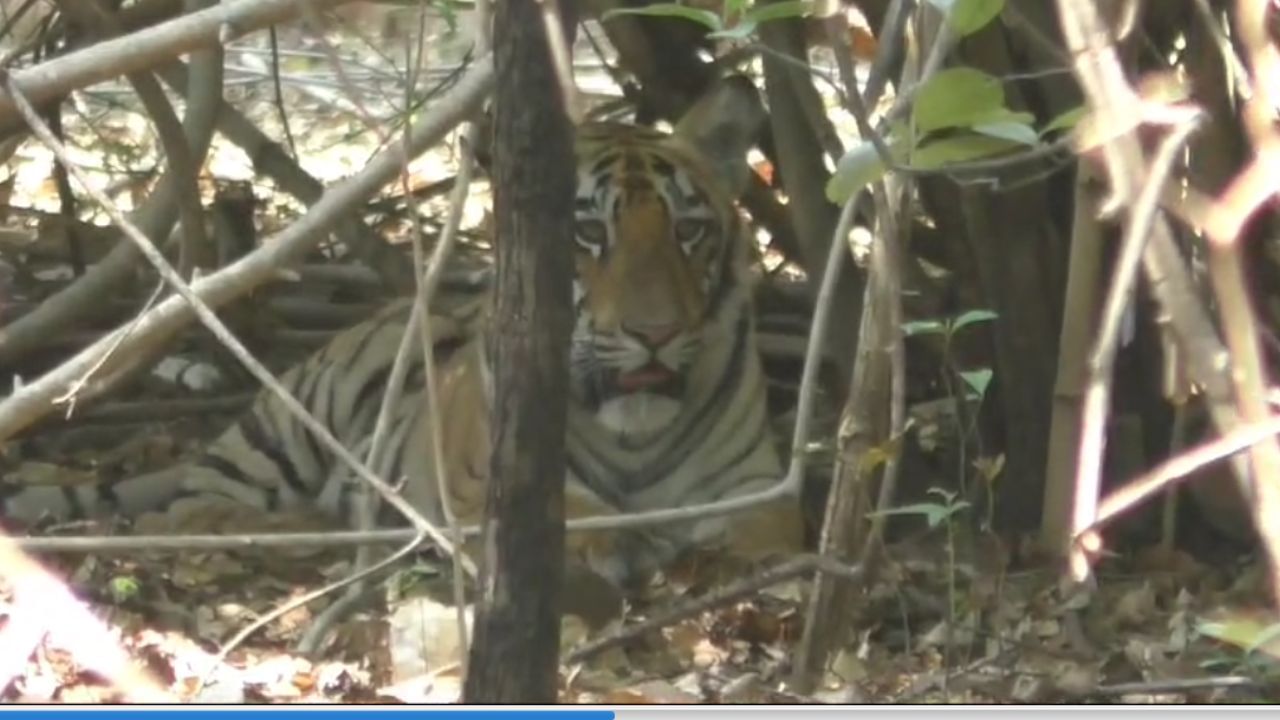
722 126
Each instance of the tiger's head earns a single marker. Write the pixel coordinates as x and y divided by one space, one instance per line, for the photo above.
659 255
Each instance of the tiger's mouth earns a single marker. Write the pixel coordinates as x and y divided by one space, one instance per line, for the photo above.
639 403
648 376
653 378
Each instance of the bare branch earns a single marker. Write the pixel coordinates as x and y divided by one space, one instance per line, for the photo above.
156 218
287 607
1120 297
144 49
125 544
1179 467
33 400
211 321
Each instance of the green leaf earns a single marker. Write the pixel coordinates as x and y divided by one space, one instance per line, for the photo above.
1253 633
1007 115
738 32
448 11
934 513
957 149
957 97
1011 131
859 167
923 327
123 588
978 380
970 16
943 493
780 11
706 18
898 128
971 317
1065 121
1265 638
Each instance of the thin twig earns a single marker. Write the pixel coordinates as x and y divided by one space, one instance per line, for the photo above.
139 411
142 50
378 456
301 600
348 85
126 544
422 308
184 165
743 588
278 92
68 398
1243 197
1180 467
1230 59
1175 685
891 37
426 290
418 326
892 236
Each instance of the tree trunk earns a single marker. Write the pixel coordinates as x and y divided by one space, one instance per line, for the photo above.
514 655
1010 239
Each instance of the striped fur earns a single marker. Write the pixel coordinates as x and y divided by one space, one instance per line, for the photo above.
667 404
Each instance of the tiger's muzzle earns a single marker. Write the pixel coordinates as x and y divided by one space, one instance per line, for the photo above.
649 359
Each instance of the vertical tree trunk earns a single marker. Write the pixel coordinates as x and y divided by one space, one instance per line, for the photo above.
514 655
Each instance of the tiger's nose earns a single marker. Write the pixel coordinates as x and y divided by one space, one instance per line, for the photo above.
653 336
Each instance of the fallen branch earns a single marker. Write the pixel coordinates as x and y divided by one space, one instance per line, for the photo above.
124 545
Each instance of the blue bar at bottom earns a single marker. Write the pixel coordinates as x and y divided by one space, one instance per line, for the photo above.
328 712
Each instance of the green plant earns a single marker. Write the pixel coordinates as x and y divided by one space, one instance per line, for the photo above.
959 114
935 514
736 20
448 11
123 588
976 380
1257 641
965 387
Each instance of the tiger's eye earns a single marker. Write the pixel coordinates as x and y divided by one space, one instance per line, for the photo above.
690 232
592 235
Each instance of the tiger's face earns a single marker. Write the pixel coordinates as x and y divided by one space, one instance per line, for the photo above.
657 250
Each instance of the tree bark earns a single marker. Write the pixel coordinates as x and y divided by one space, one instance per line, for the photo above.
514 655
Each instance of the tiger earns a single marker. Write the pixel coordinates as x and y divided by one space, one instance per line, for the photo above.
667 397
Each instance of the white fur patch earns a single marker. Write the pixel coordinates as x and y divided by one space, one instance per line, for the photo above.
638 415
